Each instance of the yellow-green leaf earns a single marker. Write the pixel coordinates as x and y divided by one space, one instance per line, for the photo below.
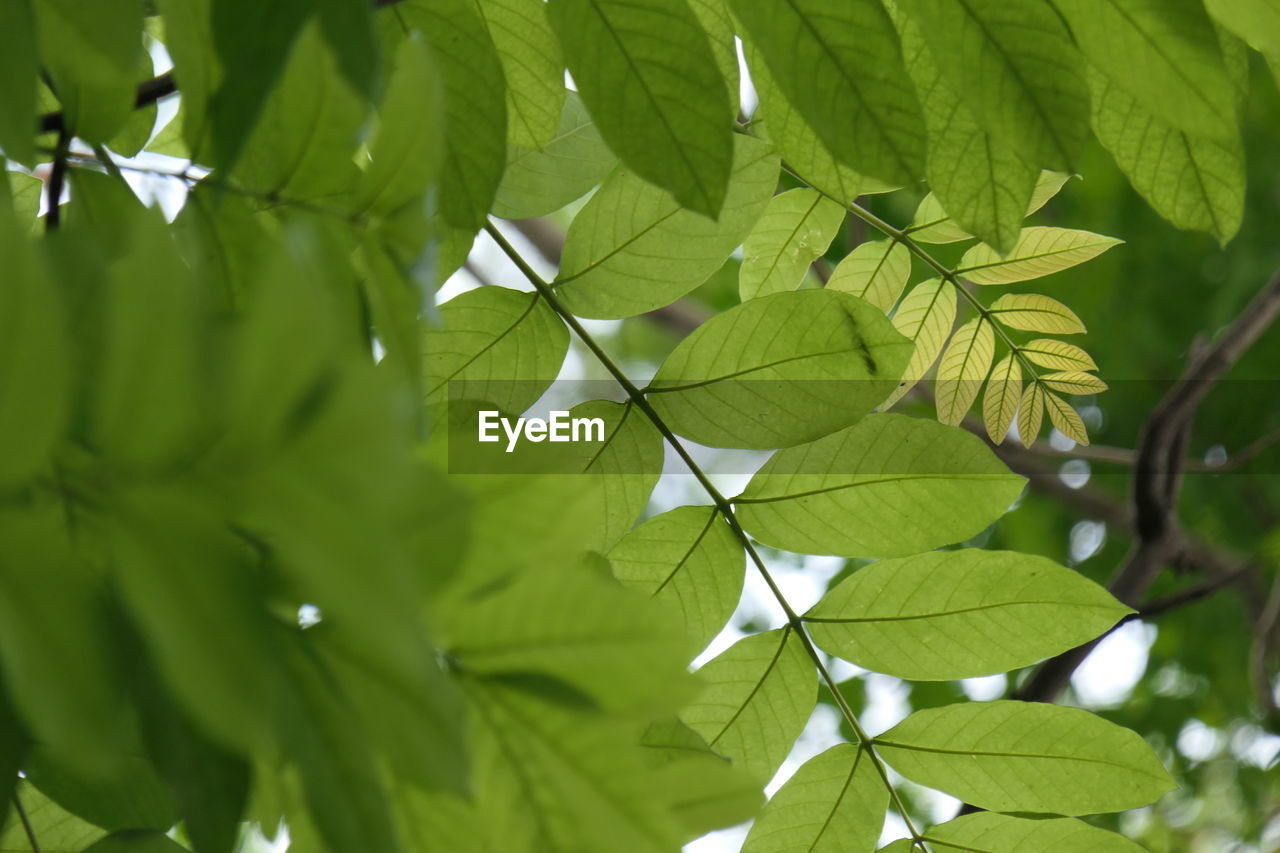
876 271
1033 312
963 368
795 230
1057 355
1030 414
1038 252
1065 419
1004 391
925 316
1074 382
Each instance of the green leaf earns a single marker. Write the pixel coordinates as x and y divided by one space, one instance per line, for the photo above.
407 149
349 31
886 487
93 55
56 830
494 345
1065 419
932 224
1031 413
1026 757
613 644
963 368
189 41
1032 312
532 66
1004 392
957 614
1073 382
1158 53
717 23
840 67
27 192
1016 68
836 801
136 132
254 42
474 104
303 145
689 560
794 231
987 832
633 248
34 404
1057 355
902 845
541 181
979 179
756 698
705 790
1255 21
647 73
876 271
1194 182
926 317
779 370
1039 251
627 465
18 82
800 146
132 797
136 841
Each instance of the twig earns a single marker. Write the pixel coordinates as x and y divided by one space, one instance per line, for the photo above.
26 823
57 177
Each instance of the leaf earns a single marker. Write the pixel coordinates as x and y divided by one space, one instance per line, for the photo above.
986 832
532 66
757 697
136 841
980 180
474 105
647 73
886 487
254 43
1035 313
1158 54
92 54
611 643
303 145
1017 70
541 181
1004 392
627 463
836 801
57 830
963 368
1255 21
705 790
1074 382
876 271
349 31
926 316
1065 419
1057 355
714 18
1030 413
932 224
633 248
947 615
494 345
132 797
1026 757
779 370
1192 181
794 231
18 82
1038 252
799 144
689 560
840 67
407 149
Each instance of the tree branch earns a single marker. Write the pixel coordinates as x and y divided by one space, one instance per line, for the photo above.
57 177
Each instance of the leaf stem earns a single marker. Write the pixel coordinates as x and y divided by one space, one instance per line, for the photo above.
723 505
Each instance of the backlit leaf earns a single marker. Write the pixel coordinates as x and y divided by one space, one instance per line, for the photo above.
1057 355
795 230
1026 757
633 248
987 832
956 614
779 370
963 368
1065 419
1030 413
876 271
1035 313
886 487
926 316
532 66
18 82
1038 252
647 73
1004 392
1074 382
755 700
835 802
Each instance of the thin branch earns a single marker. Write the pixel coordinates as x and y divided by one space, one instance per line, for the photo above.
1190 595
723 505
57 177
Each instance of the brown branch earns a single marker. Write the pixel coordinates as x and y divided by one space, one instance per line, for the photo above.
57 177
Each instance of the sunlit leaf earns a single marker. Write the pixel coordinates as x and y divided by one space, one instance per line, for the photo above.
1004 392
1030 413
1038 252
532 66
795 230
987 832
876 271
1066 419
926 316
1057 355
1073 382
963 368
1033 312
